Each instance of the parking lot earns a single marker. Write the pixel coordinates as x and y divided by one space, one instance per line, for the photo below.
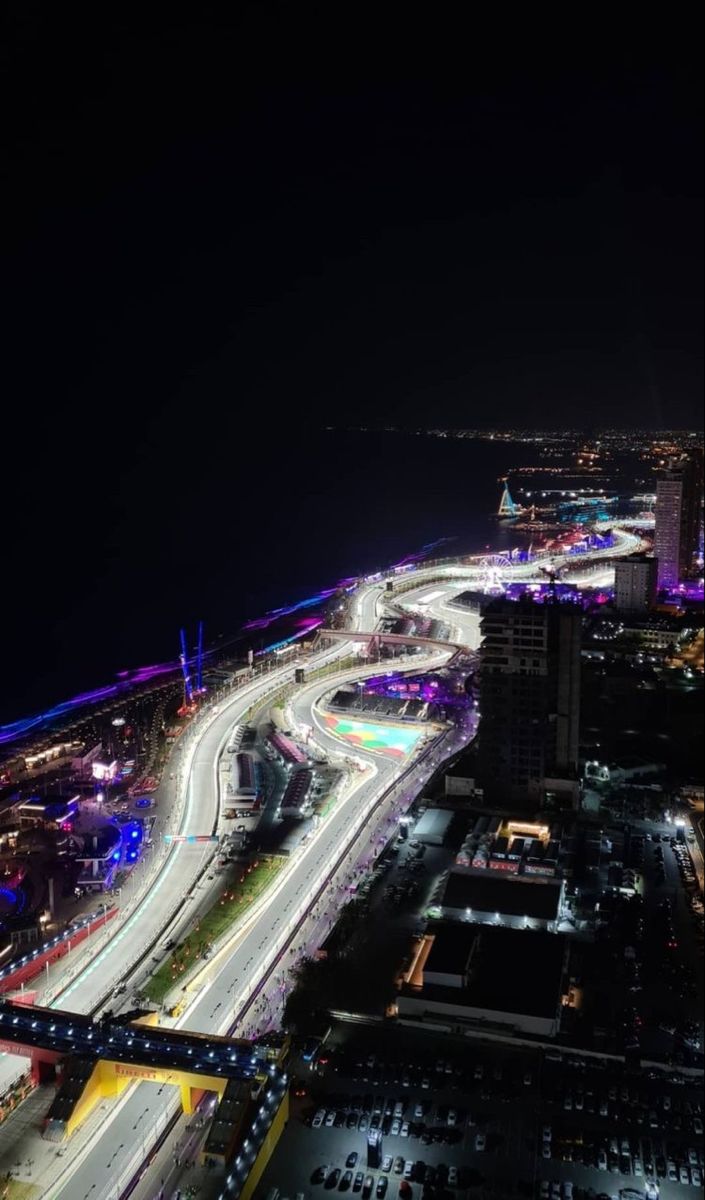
475 1120
463 1117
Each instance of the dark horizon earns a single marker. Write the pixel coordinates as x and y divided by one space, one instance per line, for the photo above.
226 234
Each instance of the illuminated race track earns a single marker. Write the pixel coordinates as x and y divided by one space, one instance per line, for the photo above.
170 881
232 979
442 583
258 946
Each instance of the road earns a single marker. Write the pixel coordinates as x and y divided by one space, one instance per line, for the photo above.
236 977
173 878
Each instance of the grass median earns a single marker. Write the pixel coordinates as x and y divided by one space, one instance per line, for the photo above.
235 899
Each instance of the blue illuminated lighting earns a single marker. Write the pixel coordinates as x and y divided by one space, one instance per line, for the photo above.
127 680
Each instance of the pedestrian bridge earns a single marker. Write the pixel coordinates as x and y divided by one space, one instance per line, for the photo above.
394 639
94 1059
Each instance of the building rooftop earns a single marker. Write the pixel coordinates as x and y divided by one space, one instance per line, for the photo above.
435 822
487 891
508 971
511 971
450 948
516 971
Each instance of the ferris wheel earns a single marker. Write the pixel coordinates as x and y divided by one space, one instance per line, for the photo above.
493 567
492 562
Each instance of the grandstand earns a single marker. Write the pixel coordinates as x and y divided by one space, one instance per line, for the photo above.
246 778
286 750
394 708
296 801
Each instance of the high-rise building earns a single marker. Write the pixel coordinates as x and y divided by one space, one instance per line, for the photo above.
635 583
677 521
529 697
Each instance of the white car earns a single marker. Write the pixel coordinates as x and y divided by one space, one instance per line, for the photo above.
547 1133
528 1079
568 1102
693 1157
545 1192
452 1117
479 1071
418 1111
330 1118
404 1131
697 1126
396 1127
671 1171
637 1167
480 1141
452 1177
684 1174
602 1159
319 1118
567 1189
696 1176
546 1151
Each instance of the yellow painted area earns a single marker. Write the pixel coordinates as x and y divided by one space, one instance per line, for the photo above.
116 1076
267 1148
147 1018
91 1094
109 1079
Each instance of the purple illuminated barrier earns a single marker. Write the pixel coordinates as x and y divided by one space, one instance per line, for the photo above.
422 553
277 613
129 679
308 624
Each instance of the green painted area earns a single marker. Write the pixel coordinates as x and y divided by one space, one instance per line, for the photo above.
394 741
230 906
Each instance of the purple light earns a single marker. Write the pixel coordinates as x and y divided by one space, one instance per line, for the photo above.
128 679
277 613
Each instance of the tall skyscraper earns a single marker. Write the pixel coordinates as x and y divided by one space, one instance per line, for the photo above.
677 521
529 697
635 583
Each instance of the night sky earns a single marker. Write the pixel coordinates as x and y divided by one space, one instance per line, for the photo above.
224 235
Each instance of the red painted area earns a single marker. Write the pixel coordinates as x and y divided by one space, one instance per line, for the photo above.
29 970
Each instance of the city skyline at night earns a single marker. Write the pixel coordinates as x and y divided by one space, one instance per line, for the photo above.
353 375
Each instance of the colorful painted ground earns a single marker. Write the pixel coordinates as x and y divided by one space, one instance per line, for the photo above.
394 741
